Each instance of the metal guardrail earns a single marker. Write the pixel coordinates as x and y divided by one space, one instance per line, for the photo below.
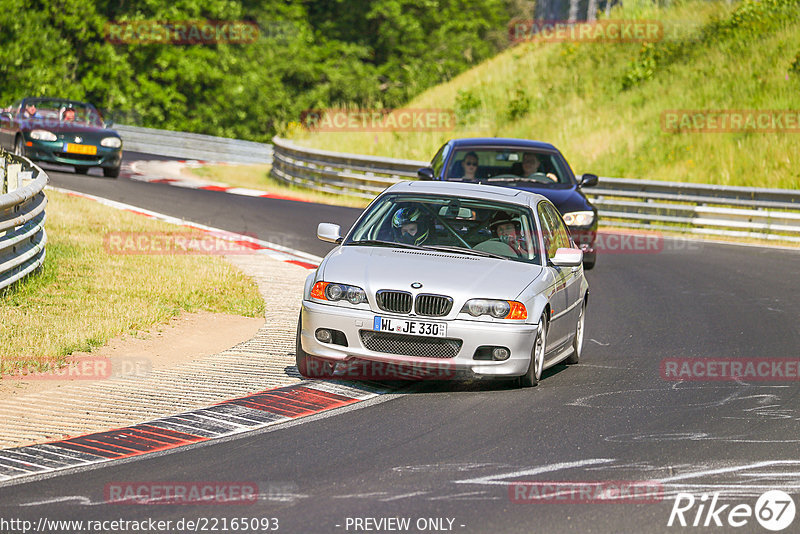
22 216
192 146
740 212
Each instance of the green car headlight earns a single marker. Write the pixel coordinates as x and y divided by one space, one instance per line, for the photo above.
111 142
42 135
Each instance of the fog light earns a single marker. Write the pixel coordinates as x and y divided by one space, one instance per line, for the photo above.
323 335
500 353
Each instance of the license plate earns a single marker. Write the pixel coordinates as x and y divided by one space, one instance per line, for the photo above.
402 326
73 148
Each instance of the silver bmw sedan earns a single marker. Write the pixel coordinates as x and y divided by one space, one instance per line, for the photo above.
445 280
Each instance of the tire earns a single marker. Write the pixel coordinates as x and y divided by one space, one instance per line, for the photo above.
111 172
588 262
81 169
308 366
577 343
534 372
19 146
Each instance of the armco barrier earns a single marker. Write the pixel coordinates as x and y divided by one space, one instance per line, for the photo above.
739 212
192 146
22 203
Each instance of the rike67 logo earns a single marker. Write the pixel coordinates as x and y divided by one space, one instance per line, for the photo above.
774 510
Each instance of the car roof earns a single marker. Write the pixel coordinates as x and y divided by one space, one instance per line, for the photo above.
500 141
466 189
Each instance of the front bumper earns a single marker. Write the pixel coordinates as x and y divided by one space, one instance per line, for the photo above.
518 338
53 152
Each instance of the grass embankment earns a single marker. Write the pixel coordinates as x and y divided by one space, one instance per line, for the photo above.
258 177
85 295
602 103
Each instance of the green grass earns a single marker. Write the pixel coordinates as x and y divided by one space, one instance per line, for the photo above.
85 295
602 103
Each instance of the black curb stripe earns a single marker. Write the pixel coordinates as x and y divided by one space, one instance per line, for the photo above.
91 450
82 456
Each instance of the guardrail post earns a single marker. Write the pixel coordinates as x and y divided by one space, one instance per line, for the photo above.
12 176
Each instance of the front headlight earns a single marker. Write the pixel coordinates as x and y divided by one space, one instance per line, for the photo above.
43 135
579 218
499 309
111 142
335 292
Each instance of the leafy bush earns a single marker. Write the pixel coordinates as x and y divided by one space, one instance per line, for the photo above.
518 104
310 54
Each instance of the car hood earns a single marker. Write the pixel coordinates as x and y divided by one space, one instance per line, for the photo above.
457 275
565 199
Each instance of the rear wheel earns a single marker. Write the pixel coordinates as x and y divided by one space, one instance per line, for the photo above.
534 373
577 343
111 172
81 169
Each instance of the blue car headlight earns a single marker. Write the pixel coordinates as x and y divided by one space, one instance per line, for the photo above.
579 218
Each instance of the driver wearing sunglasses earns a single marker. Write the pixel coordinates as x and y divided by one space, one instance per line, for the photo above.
470 166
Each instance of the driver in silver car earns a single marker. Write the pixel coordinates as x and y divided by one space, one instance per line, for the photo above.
509 231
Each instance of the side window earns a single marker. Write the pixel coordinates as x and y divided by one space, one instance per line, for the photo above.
559 230
438 160
548 234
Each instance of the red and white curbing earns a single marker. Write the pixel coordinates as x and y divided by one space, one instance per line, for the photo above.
227 418
234 416
169 172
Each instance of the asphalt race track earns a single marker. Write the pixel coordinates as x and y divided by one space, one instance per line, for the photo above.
444 454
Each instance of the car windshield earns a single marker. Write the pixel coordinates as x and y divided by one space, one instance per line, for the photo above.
451 224
507 166
61 110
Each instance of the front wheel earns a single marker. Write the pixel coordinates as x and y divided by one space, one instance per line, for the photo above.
111 172
534 373
577 342
81 169
589 261
308 366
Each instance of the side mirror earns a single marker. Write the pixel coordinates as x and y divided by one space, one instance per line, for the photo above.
109 123
329 232
5 115
568 257
425 173
588 180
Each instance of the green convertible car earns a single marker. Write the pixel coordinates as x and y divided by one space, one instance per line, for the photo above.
66 132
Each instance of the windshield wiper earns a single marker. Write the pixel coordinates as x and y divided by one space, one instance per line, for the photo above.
381 243
448 248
